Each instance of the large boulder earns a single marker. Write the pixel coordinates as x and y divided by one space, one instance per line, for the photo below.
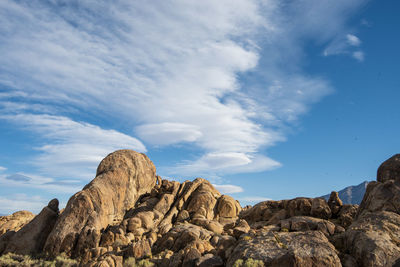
389 170
374 239
121 178
309 248
381 196
228 207
31 238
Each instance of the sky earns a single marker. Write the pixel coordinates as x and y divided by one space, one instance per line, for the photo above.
270 99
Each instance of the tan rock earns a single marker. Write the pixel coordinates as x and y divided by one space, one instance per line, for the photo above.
381 197
281 249
209 260
121 178
347 214
15 221
242 227
31 238
139 249
306 223
320 209
374 239
334 202
203 200
228 207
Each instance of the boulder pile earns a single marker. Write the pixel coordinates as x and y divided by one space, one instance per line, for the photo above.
128 211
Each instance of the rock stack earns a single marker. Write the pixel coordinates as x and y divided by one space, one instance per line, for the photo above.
128 212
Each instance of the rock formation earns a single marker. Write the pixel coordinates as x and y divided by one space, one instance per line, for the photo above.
129 212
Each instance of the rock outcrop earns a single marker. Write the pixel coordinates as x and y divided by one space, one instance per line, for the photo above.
15 221
121 178
129 212
30 239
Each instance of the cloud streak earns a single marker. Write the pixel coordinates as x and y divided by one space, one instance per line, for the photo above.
70 148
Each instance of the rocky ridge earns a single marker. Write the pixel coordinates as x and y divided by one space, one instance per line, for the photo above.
129 212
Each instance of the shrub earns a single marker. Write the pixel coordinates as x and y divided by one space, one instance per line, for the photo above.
248 263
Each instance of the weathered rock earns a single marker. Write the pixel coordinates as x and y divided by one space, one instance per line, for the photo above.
389 170
305 223
310 248
381 197
121 178
139 249
31 238
180 236
225 245
209 260
262 211
15 221
374 239
347 214
271 212
191 257
299 206
228 207
320 209
242 227
203 201
334 202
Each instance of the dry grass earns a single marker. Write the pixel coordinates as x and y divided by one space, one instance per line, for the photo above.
14 260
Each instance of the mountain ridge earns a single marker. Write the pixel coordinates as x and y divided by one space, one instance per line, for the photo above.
351 194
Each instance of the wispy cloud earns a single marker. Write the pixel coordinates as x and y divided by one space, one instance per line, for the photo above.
228 188
2 169
345 46
34 181
70 148
359 55
353 40
170 72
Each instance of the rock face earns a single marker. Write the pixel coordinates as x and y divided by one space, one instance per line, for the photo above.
389 170
15 221
121 178
128 212
280 249
30 239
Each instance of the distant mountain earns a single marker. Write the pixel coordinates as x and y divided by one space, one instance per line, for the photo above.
352 194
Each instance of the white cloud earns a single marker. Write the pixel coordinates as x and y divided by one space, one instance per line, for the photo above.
2 169
30 181
168 133
359 55
228 188
353 40
18 202
226 162
71 149
345 46
171 72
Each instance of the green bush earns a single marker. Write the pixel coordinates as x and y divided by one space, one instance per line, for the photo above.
248 263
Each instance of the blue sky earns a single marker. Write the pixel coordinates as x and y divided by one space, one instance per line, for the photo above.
266 99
